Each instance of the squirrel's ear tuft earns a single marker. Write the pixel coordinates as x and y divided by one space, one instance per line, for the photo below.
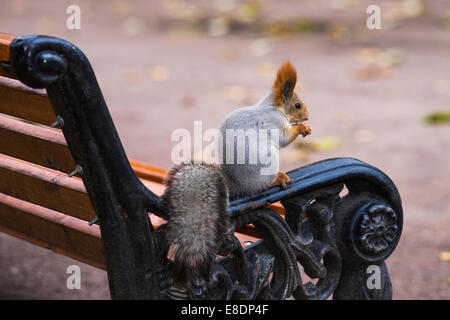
284 84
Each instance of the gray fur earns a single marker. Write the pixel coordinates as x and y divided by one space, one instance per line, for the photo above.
197 201
263 115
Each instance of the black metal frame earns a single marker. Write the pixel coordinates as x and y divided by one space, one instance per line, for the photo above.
334 237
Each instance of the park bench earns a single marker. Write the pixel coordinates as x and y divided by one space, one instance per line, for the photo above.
62 165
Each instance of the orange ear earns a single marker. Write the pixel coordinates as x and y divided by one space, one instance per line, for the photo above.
284 84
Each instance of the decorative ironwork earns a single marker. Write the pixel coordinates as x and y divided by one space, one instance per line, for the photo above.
325 236
378 228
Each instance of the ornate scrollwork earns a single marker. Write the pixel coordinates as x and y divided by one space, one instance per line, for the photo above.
310 237
39 61
377 228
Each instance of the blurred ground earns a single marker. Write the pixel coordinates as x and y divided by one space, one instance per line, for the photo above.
164 64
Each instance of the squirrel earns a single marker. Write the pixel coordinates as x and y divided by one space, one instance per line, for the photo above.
280 109
197 194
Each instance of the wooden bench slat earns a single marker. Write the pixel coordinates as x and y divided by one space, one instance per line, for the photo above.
5 41
23 102
47 147
50 188
40 145
53 230
45 187
148 172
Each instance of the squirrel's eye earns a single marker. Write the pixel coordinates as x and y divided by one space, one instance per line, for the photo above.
297 105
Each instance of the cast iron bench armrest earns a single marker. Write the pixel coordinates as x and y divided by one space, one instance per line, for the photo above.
335 238
319 174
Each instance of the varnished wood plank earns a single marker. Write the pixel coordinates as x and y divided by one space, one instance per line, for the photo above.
52 230
18 100
45 187
47 147
37 144
5 41
148 172
50 188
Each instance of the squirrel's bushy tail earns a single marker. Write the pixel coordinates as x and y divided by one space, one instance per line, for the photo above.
197 200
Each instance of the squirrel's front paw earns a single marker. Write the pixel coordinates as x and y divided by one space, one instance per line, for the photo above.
304 129
280 179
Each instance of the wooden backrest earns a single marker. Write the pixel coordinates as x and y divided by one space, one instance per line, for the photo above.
39 202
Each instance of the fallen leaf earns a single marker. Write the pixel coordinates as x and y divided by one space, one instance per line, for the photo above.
366 56
219 26
278 28
305 25
260 47
250 11
339 32
437 117
445 19
445 256
413 8
159 73
328 143
390 58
